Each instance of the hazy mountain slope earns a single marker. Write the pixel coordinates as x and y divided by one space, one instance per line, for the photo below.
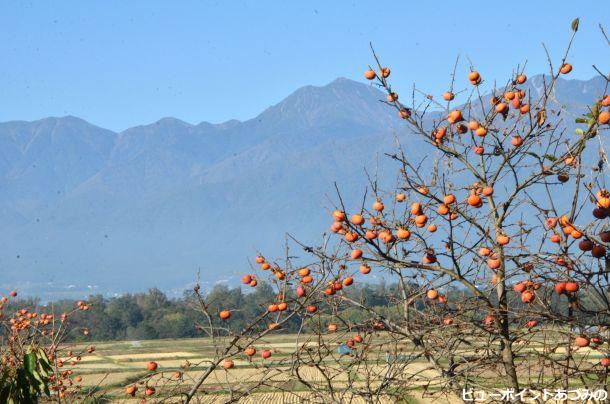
156 203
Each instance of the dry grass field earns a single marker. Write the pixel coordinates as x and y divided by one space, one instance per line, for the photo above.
114 365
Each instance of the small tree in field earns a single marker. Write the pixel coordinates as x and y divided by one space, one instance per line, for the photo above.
35 360
493 241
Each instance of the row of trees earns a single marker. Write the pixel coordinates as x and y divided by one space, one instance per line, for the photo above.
153 315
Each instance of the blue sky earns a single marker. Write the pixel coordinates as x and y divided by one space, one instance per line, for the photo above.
123 63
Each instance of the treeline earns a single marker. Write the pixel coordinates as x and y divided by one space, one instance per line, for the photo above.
153 315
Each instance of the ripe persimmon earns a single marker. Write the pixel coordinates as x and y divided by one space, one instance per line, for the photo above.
421 220
224 314
448 96
566 68
336 227
416 208
560 288
581 341
351 237
369 74
528 296
131 390
501 108
386 236
520 287
357 219
339 216
403 234
516 141
474 76
474 200
572 287
494 263
502 239
304 272
355 254
481 131
455 116
484 251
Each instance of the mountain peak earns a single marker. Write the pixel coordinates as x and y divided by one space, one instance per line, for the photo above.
171 121
331 105
344 81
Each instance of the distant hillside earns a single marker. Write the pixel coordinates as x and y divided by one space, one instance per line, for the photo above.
83 208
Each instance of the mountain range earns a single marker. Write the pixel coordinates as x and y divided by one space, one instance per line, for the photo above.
84 209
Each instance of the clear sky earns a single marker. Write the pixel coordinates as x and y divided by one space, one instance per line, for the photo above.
123 63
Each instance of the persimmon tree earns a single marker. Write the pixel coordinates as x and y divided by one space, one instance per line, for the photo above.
35 359
494 240
493 234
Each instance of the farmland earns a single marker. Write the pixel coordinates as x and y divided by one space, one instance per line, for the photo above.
114 365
